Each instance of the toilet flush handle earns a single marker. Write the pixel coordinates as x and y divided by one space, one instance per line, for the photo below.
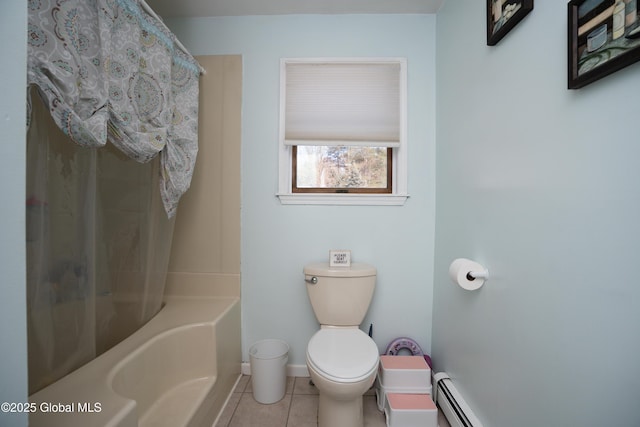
312 281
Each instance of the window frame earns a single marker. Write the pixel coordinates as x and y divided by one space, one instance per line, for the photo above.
398 173
342 190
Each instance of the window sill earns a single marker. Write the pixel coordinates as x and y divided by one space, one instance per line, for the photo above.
343 199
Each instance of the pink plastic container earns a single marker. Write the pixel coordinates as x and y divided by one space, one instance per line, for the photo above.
410 410
402 374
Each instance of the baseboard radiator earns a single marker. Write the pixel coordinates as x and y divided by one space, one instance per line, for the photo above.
451 403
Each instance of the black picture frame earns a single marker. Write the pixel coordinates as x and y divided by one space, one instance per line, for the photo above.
598 45
503 15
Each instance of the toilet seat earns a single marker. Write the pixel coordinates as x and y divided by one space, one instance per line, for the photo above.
345 355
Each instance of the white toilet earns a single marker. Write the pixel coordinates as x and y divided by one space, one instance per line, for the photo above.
342 360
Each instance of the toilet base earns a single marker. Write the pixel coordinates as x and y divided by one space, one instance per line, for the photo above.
340 404
340 413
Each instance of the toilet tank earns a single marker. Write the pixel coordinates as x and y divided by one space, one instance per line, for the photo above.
341 295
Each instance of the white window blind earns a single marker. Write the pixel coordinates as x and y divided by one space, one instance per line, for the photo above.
343 103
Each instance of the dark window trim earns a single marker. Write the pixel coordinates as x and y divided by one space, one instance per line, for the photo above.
294 188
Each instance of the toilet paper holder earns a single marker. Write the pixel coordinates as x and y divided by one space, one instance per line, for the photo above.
483 274
468 274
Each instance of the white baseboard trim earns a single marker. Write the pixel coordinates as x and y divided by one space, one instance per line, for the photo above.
292 370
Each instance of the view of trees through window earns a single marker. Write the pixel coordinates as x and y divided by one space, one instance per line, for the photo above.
342 167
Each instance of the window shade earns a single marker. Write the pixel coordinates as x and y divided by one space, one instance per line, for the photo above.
342 104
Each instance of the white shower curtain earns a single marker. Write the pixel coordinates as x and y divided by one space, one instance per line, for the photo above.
98 243
113 117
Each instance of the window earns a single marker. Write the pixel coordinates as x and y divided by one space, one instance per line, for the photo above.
341 169
342 131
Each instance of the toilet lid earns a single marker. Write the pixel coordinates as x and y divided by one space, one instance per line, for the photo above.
343 354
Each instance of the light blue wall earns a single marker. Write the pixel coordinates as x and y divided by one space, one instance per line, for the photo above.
277 240
537 182
13 329
542 185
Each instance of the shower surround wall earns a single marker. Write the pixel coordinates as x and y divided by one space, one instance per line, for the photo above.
205 257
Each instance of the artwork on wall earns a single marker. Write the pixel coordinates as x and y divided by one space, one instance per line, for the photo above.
503 15
604 37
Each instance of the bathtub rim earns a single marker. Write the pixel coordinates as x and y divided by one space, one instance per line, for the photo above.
85 384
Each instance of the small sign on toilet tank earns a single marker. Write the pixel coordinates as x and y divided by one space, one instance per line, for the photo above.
339 258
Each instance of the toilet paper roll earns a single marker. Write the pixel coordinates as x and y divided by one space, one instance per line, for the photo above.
459 272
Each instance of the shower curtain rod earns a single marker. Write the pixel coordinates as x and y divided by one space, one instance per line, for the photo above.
151 12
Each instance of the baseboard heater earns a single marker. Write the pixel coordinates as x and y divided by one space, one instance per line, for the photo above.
451 403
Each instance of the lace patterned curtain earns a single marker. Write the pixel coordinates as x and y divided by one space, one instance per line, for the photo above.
107 70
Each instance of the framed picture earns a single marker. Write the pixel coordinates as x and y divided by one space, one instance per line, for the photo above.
604 37
503 15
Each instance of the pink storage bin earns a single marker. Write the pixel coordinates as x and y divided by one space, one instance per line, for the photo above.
404 372
382 392
410 410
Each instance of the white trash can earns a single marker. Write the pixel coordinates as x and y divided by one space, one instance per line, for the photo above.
268 361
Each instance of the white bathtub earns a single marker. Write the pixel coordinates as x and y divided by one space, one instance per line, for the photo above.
176 371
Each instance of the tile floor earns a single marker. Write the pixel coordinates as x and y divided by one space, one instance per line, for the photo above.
298 408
